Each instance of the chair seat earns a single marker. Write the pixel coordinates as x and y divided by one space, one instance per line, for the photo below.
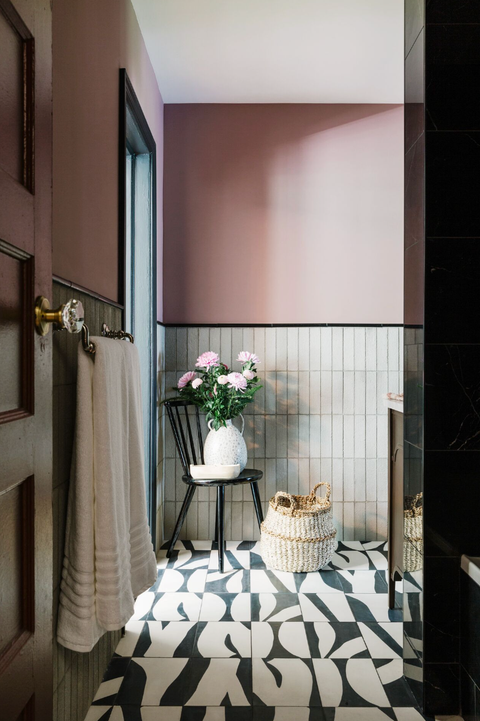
246 476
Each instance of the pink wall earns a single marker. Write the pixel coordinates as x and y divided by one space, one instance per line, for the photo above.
283 214
91 41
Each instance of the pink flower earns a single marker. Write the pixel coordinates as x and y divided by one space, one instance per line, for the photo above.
208 360
186 378
197 382
249 375
222 380
237 381
245 357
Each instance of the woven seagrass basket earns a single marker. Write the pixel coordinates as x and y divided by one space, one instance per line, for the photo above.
413 532
298 534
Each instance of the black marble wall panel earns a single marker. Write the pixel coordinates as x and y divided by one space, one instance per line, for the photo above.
470 649
442 302
452 285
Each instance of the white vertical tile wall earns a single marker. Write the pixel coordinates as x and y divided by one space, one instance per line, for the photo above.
319 416
161 475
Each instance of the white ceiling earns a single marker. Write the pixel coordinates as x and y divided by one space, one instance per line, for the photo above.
275 51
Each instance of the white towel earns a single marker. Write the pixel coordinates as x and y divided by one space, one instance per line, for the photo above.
109 557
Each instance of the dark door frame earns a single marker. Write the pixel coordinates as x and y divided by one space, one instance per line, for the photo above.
128 101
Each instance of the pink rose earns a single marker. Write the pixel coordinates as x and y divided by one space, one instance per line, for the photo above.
208 360
249 375
246 357
197 382
186 378
237 381
222 380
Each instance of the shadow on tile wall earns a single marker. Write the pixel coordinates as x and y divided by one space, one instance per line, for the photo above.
320 415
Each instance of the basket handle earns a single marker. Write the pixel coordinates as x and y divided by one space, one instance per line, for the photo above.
314 490
284 494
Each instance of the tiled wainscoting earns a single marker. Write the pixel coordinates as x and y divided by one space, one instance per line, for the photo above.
160 534
320 415
76 675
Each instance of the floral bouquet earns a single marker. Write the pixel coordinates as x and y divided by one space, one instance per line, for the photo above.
220 393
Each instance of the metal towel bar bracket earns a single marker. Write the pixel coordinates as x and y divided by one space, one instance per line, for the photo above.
89 346
121 334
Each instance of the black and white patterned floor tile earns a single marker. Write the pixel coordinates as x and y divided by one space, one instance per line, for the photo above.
175 607
183 581
362 581
128 642
350 555
325 607
377 551
232 581
373 714
223 639
143 605
187 682
112 680
372 607
336 640
349 682
394 682
334 714
384 640
246 713
287 713
166 639
380 546
279 640
270 581
284 682
257 644
233 559
256 560
226 607
276 607
175 713
184 560
190 545
237 545
307 640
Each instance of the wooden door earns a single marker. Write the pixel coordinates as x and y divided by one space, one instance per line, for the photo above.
25 362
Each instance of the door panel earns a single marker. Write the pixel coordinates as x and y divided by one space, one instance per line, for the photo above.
16 333
25 362
17 592
11 101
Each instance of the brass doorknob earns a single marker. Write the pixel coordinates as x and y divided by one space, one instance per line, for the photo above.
69 316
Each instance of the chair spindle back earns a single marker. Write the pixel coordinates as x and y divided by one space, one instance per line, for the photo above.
183 434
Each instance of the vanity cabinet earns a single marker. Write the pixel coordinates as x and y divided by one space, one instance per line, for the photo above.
395 497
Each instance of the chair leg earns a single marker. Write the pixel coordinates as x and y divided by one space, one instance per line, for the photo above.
181 518
256 501
221 526
216 530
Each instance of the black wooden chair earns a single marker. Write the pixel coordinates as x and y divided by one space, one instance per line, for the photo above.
185 428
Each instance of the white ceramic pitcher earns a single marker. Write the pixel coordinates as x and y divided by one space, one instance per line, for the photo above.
226 446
